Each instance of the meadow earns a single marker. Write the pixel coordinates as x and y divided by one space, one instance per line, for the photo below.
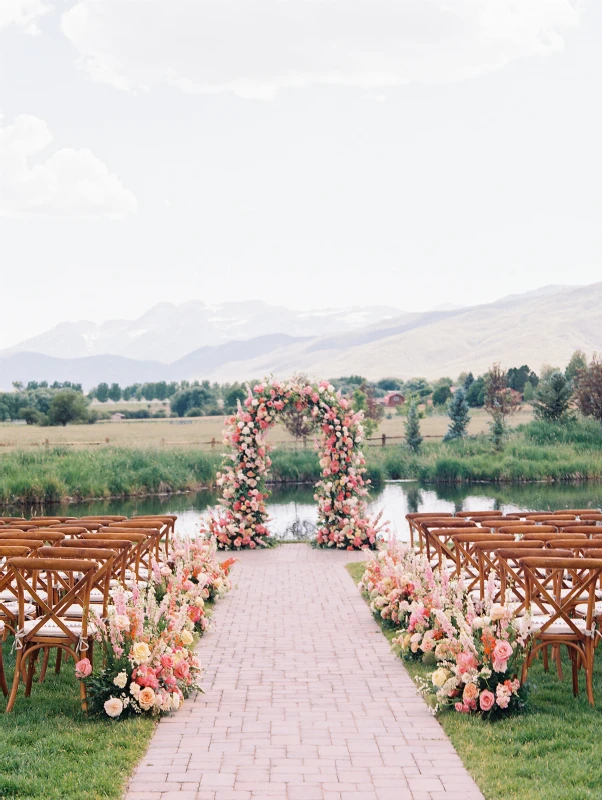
199 432
134 466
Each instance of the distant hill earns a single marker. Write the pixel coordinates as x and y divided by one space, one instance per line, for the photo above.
539 327
168 332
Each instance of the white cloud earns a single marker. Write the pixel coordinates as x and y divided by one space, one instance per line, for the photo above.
70 183
256 48
22 13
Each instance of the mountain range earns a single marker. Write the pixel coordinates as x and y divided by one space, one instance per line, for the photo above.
247 340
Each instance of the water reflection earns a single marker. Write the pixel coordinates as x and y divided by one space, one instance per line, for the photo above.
293 512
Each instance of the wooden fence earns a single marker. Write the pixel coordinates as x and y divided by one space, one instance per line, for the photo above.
376 441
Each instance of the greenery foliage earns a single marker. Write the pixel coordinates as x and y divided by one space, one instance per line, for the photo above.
553 397
458 412
412 428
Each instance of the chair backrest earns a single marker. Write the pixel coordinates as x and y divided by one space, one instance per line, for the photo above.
577 545
68 582
153 534
520 528
30 544
542 516
563 524
436 540
43 522
52 520
476 514
595 515
115 517
510 571
137 541
7 520
32 534
546 537
588 530
577 512
413 519
69 529
503 522
121 547
486 552
466 556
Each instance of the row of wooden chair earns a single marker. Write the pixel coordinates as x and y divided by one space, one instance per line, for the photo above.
552 571
54 572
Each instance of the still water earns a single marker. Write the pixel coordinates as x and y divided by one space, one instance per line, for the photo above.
293 509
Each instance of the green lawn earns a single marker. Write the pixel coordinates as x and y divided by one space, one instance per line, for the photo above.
550 752
51 751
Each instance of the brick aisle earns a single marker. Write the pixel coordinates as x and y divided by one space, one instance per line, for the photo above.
304 700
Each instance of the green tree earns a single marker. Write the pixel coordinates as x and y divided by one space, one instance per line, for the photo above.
67 406
412 427
419 386
364 399
529 392
390 384
458 412
31 415
102 392
475 393
441 395
588 389
498 428
115 392
577 363
517 377
553 398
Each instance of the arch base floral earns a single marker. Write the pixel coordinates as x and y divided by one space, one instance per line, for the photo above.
242 522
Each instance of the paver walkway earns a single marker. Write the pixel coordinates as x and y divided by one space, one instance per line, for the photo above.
304 700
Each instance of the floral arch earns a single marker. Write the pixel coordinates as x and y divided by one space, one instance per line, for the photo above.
340 492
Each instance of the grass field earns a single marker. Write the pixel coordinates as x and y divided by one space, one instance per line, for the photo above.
550 752
195 432
52 751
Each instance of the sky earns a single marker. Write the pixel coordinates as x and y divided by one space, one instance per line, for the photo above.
310 153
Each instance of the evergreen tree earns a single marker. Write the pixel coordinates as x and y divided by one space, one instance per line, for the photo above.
457 410
553 398
468 381
577 363
529 392
412 425
498 428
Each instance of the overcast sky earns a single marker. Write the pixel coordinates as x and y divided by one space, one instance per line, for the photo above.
311 153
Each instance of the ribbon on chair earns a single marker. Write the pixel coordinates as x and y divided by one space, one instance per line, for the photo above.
18 641
82 644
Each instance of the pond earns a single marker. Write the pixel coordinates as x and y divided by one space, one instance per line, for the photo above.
293 510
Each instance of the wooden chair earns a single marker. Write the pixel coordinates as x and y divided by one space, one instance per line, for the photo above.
503 524
595 515
588 530
512 582
466 556
543 578
487 553
437 543
70 530
519 528
121 547
166 526
476 515
424 526
413 521
152 548
69 581
113 517
43 522
542 516
577 512
138 542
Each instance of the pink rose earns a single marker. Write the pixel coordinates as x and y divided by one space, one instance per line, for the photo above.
166 661
502 696
502 650
465 662
486 700
182 670
83 668
471 692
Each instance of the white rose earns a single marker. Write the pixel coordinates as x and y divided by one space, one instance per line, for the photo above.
121 680
113 707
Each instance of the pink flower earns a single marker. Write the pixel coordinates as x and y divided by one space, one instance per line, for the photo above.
486 700
182 670
501 653
83 668
502 695
166 661
465 662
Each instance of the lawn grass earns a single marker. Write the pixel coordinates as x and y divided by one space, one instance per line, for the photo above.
549 752
51 751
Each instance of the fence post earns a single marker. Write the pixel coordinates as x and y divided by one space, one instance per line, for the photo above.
384 439
213 443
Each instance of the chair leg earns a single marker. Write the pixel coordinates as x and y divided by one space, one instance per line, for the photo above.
44 664
546 663
589 670
59 657
575 672
30 671
15 686
558 658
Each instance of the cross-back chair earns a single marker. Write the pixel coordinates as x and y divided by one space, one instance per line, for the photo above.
544 578
69 582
